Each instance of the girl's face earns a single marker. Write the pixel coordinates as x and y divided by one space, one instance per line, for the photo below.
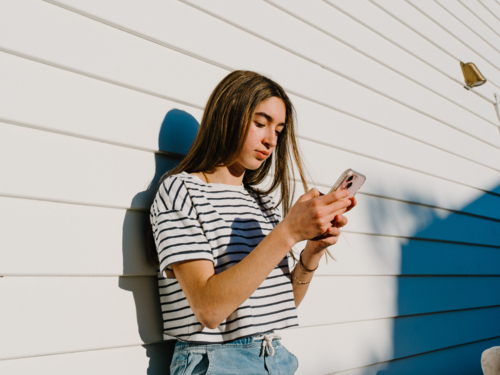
265 126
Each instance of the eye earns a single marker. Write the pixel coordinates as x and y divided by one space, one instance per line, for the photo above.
259 125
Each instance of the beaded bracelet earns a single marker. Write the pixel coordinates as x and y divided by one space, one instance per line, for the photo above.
304 268
299 280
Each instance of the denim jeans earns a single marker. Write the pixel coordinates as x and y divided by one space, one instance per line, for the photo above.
245 356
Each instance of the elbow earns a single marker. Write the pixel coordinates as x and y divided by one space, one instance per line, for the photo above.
208 318
211 325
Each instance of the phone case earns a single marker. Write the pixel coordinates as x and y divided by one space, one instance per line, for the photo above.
350 180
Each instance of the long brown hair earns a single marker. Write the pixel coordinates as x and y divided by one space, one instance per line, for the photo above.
224 130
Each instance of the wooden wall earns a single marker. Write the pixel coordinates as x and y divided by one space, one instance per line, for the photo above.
99 97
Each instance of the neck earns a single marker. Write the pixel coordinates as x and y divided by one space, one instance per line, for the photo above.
227 175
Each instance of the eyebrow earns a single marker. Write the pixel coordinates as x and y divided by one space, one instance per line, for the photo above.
268 118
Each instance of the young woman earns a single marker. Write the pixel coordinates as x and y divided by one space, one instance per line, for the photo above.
225 284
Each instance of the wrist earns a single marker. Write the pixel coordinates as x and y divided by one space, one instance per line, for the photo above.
286 234
311 256
304 266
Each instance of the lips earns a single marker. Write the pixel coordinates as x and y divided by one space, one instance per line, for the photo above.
264 154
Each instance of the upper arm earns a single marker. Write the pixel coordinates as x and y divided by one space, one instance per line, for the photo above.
177 233
192 276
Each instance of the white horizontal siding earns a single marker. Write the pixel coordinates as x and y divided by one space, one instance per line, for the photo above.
85 310
339 347
86 86
91 172
359 254
122 122
405 220
303 39
326 88
67 102
413 32
483 14
64 168
431 68
124 360
459 31
402 183
461 360
439 34
492 6
468 19
46 238
66 239
77 170
48 315
91 48
372 297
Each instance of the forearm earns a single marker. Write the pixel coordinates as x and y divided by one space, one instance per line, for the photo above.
223 293
311 261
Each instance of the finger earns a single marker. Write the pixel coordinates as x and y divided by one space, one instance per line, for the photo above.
330 232
340 221
353 204
329 241
333 231
313 193
336 207
334 221
333 216
334 196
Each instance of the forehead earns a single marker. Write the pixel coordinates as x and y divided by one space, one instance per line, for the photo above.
273 107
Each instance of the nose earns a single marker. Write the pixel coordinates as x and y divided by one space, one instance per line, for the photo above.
271 138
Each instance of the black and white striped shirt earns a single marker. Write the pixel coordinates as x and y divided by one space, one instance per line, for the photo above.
220 223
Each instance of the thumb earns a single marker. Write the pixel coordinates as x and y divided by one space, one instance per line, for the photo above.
313 193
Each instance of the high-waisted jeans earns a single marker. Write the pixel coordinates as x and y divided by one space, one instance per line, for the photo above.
261 354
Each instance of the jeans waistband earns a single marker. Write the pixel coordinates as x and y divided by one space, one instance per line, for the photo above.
245 341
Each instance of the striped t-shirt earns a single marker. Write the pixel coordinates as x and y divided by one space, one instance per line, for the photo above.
221 223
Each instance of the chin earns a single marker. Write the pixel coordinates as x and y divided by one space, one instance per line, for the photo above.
255 165
252 168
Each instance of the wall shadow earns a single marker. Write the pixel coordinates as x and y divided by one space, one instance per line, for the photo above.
176 135
448 299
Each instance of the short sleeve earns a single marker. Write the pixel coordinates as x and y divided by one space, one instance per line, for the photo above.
177 231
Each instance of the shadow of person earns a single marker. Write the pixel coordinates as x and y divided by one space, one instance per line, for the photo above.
176 136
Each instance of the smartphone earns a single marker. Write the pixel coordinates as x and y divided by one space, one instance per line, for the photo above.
349 180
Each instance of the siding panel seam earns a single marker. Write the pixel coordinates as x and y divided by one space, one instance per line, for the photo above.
79 351
416 355
408 51
453 35
384 64
201 58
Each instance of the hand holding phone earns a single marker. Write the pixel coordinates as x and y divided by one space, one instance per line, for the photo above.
303 220
351 181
